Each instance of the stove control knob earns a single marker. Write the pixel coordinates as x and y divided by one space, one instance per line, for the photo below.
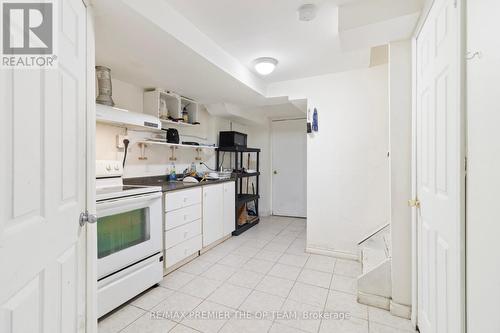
108 167
117 167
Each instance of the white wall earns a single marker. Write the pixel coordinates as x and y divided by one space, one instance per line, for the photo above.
483 175
400 101
129 96
347 164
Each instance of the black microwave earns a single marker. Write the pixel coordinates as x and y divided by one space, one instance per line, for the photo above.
232 139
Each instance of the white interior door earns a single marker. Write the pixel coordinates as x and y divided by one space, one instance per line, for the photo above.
289 161
440 171
42 186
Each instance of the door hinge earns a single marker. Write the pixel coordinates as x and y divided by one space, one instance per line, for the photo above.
414 203
85 217
466 162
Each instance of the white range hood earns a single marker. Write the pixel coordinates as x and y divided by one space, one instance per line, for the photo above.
124 118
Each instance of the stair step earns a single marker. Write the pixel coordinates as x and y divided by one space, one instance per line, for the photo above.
372 257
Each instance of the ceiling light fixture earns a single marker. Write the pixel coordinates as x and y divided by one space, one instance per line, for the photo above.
265 65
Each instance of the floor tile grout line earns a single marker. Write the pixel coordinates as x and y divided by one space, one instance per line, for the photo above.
328 295
253 289
297 235
121 330
264 275
129 303
180 324
294 284
225 304
206 299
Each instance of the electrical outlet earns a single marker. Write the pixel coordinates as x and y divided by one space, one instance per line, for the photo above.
119 141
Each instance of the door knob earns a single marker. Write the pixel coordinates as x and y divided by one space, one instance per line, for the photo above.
86 217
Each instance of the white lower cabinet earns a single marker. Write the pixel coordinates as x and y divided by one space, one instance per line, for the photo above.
182 216
183 198
218 212
196 218
212 213
182 233
181 251
228 208
182 237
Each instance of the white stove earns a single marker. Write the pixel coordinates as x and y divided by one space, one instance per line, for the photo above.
109 182
129 237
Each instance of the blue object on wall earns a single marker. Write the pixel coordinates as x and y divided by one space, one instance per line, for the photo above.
315 120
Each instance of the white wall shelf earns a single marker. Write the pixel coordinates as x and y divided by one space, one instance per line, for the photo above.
176 123
180 145
157 100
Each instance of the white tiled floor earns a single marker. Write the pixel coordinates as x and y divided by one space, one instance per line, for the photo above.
264 269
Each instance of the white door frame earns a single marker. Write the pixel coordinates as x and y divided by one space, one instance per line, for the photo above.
461 5
91 229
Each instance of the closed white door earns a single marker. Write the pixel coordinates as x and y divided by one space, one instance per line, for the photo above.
229 224
440 171
289 164
212 213
42 187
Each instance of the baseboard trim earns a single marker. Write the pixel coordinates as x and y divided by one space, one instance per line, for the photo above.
332 253
214 244
400 310
184 261
374 300
265 213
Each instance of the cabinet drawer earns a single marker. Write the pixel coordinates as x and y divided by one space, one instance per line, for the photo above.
180 199
181 251
181 216
182 233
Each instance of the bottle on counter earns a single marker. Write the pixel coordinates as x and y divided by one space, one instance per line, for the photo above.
173 174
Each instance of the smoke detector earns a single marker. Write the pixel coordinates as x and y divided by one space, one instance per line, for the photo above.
307 12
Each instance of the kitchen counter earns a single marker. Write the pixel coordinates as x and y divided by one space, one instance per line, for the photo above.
168 186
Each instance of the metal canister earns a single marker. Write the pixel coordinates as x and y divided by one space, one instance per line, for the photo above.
104 87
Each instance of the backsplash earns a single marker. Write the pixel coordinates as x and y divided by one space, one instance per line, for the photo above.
158 157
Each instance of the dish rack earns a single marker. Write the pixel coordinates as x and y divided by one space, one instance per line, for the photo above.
225 174
222 175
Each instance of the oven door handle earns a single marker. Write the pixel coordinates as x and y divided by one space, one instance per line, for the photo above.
128 200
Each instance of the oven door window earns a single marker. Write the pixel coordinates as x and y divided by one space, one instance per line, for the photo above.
121 231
